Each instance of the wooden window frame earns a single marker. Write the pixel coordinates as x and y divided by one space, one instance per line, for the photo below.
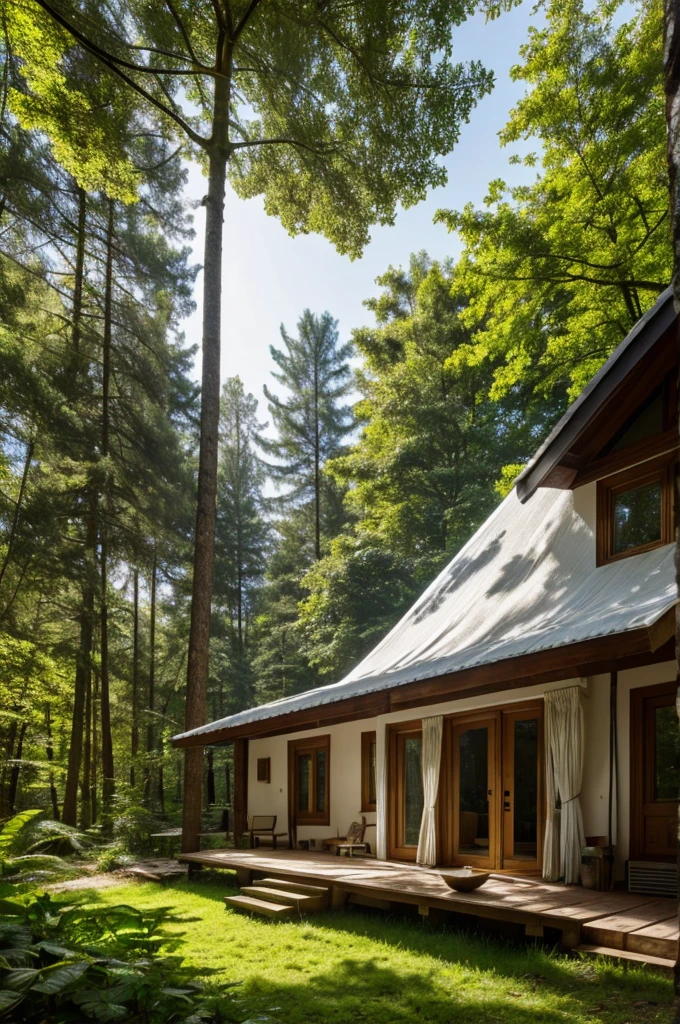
367 738
396 736
660 470
309 745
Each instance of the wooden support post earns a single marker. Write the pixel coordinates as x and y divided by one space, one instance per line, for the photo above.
571 935
338 898
240 790
533 929
244 876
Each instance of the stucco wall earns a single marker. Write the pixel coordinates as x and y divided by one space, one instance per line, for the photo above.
345 760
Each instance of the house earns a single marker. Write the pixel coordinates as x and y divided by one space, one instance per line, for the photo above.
526 702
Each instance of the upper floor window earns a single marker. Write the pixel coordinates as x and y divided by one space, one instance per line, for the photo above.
635 510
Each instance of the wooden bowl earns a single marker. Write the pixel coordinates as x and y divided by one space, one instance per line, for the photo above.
464 879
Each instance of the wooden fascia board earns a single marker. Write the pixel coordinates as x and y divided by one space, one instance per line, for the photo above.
589 657
642 339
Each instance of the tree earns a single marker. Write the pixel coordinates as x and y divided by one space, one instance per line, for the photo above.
241 544
334 114
558 271
311 422
423 473
672 95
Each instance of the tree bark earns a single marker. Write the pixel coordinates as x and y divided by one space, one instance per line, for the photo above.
49 748
672 90
85 806
79 272
148 772
17 510
83 670
16 769
134 732
108 784
204 542
317 464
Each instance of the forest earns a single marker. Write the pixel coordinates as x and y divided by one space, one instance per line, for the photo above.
369 459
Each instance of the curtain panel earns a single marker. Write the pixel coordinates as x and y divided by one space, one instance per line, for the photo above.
564 752
433 729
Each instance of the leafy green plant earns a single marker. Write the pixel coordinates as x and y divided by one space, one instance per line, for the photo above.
26 842
64 960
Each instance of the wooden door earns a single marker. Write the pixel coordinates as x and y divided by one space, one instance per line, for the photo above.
473 782
523 804
406 790
654 773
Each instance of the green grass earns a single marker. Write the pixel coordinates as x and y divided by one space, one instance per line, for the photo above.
352 967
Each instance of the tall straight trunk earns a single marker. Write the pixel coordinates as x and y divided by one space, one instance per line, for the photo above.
14 528
85 806
134 731
672 89
107 742
94 773
317 465
49 749
8 743
79 273
83 670
204 543
148 772
16 768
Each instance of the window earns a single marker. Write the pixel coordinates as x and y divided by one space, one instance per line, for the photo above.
368 762
308 779
635 510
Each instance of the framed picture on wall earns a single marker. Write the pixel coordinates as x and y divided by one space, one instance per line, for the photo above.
264 769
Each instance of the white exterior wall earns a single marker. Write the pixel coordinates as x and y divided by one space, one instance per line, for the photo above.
345 759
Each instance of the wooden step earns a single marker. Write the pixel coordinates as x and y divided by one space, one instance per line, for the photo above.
250 905
657 963
305 904
286 886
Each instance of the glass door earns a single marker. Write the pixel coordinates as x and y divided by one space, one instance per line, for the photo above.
655 773
406 791
473 831
522 795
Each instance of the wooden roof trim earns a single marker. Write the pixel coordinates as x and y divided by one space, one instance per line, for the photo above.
580 413
589 657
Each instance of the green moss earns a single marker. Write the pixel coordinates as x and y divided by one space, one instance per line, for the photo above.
370 969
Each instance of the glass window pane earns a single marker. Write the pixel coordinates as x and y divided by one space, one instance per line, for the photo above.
321 780
666 754
413 790
371 772
473 824
304 781
637 517
525 799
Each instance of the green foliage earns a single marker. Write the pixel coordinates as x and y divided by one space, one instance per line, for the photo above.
557 272
64 960
29 844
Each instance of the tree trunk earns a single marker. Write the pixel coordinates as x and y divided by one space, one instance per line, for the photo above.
134 732
16 769
95 750
672 89
85 806
210 778
107 742
79 272
83 670
17 511
49 748
152 683
317 464
204 542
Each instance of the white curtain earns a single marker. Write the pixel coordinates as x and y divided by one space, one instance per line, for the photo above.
564 752
381 791
431 756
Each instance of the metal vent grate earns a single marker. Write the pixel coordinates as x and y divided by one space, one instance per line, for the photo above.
655 879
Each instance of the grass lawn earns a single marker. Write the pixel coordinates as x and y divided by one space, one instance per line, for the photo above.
359 967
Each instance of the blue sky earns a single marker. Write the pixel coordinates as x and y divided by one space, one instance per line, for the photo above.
269 277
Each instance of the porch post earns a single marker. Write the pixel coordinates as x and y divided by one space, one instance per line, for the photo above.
381 790
240 789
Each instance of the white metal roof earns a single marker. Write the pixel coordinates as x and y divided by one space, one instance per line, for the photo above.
525 582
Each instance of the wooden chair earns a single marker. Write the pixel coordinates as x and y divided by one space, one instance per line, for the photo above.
353 841
263 825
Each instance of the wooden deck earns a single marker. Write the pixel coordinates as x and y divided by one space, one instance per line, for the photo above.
643 926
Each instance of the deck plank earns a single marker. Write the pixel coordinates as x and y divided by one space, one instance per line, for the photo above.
604 918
